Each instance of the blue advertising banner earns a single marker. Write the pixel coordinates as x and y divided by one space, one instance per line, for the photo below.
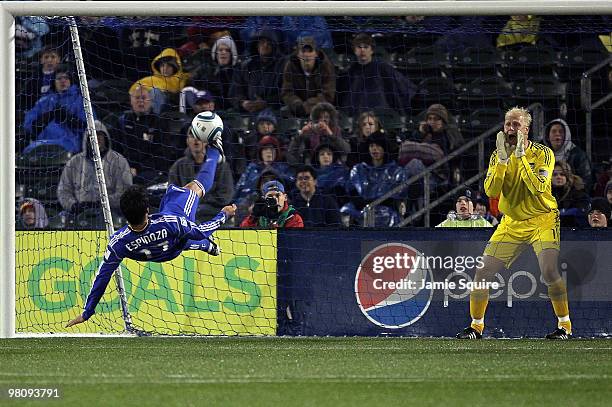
417 283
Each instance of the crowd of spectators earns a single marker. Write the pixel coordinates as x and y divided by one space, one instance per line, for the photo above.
325 133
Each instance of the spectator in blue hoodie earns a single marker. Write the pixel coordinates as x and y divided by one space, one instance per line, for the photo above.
58 118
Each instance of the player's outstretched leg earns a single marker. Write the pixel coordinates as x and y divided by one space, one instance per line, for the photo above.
479 298
215 141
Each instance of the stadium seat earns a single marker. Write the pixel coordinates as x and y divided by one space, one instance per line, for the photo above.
487 92
420 62
529 62
112 91
549 91
473 63
175 122
573 62
434 90
481 120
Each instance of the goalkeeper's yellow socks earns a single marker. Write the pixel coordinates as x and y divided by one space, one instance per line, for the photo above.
557 292
478 305
206 175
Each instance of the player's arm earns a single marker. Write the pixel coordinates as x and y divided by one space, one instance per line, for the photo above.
539 177
202 231
495 176
109 264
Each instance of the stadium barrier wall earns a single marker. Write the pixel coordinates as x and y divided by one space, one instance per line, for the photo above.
326 284
307 282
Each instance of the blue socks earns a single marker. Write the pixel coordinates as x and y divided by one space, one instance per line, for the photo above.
206 176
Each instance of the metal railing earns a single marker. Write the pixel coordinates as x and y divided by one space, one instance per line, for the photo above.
369 215
586 101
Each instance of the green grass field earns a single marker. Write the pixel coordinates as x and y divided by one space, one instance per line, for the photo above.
308 371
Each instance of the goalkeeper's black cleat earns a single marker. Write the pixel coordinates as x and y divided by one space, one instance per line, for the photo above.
469 333
559 333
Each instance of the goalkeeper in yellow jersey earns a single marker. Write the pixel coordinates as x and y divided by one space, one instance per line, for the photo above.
520 174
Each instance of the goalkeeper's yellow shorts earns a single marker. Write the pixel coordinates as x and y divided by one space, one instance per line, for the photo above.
512 236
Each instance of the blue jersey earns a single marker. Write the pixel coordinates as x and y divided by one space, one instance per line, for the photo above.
167 234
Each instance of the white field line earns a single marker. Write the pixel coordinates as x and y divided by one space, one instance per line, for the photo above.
5 377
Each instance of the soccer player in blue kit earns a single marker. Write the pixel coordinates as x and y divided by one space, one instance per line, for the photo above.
161 236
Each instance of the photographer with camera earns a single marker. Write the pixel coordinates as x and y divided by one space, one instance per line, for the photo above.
272 209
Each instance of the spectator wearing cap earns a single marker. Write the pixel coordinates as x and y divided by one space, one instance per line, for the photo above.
185 169
143 141
32 215
317 209
568 190
257 81
599 213
558 137
194 101
308 78
322 128
272 210
464 215
77 190
218 76
58 117
168 78
372 84
268 153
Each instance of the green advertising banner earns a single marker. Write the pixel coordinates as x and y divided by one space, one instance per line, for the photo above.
231 294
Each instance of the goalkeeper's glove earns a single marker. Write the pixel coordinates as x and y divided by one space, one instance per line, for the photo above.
520 145
502 152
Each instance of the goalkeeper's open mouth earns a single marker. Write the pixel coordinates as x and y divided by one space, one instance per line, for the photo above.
511 139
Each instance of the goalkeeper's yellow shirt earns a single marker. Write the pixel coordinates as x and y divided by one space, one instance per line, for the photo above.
523 185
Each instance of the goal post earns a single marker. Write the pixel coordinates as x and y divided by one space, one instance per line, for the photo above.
244 282
7 175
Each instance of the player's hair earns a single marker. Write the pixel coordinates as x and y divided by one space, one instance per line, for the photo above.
522 111
134 203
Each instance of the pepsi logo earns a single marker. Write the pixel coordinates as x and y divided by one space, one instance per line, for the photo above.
391 285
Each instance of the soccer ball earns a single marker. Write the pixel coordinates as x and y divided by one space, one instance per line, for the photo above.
206 126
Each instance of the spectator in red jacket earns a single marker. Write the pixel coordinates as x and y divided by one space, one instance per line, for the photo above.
272 210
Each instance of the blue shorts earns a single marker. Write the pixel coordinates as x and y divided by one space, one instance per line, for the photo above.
180 201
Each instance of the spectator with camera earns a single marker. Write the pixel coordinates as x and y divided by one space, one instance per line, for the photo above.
272 209
317 209
322 128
